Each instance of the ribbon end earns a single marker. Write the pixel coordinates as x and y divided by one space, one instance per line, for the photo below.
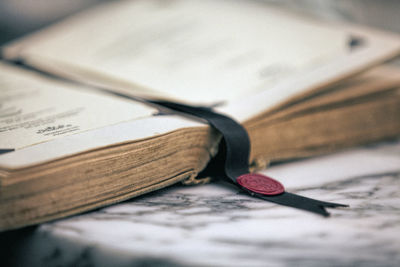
326 205
303 203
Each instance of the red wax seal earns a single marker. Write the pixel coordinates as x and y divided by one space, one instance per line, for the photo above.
261 184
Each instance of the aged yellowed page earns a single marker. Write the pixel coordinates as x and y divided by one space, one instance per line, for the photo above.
34 109
193 51
246 56
43 119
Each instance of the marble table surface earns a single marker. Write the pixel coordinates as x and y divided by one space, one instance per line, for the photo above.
216 225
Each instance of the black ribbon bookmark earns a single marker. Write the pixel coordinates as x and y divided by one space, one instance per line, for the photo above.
236 162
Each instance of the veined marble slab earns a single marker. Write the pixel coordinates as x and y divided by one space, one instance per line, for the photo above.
216 225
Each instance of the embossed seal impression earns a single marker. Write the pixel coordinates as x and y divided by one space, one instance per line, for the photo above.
261 184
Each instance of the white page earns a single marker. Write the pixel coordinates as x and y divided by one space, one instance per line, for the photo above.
192 51
43 119
34 109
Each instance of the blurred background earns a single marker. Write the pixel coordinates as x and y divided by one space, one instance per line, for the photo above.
19 17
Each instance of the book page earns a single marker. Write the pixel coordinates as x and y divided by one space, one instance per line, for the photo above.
34 109
194 51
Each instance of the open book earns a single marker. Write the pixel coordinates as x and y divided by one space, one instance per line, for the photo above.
300 87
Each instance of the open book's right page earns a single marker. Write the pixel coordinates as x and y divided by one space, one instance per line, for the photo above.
204 52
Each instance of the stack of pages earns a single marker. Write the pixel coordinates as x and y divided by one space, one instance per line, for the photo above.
71 142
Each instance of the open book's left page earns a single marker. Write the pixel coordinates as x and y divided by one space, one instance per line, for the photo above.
43 119
35 110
